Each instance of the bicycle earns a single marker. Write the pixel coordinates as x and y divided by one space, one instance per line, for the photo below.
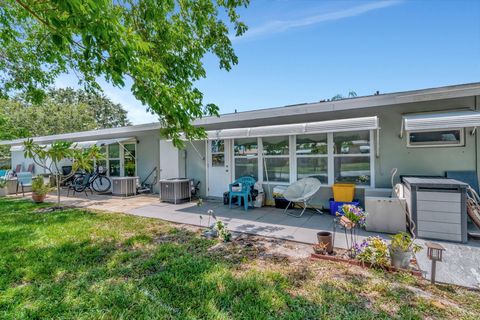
96 181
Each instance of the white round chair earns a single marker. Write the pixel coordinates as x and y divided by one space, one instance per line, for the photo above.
301 192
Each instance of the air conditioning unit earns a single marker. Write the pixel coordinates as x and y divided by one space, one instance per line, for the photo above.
124 186
175 190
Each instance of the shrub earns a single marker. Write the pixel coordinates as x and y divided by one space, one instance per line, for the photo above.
373 250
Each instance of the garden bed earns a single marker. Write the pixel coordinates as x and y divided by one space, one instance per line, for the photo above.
340 255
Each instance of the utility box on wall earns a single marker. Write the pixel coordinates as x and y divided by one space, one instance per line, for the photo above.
438 208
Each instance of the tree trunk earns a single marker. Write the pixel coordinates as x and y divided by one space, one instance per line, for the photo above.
57 177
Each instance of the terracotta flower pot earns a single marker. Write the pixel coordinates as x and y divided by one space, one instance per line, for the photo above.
326 237
38 198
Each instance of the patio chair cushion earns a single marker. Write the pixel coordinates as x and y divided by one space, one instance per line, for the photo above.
302 190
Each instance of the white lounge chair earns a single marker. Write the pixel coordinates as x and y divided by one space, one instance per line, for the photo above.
301 192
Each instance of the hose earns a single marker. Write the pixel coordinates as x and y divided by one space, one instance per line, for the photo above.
407 214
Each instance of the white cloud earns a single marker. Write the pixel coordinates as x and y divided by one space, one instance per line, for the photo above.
278 26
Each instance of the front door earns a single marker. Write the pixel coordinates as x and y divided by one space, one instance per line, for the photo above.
218 167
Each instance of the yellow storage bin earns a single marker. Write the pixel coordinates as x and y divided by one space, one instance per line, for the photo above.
343 192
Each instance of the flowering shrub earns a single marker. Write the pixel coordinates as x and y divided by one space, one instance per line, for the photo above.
373 250
354 214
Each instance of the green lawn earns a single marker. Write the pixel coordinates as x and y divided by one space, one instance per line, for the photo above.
86 265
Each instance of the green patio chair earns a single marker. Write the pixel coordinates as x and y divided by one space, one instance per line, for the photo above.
245 183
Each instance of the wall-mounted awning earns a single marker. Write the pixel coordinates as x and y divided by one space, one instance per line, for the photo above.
341 125
83 144
445 120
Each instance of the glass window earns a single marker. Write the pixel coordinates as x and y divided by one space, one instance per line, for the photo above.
312 144
246 166
218 146
246 157
277 169
218 160
352 170
356 142
275 146
129 159
114 151
114 168
436 138
313 167
245 147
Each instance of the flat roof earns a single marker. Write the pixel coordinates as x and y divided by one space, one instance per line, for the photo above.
386 99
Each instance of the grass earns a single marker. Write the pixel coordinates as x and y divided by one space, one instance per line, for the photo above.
78 264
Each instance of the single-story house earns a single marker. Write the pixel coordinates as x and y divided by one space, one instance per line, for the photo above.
359 140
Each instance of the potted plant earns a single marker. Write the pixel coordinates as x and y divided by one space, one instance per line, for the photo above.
325 240
352 216
3 187
402 249
39 189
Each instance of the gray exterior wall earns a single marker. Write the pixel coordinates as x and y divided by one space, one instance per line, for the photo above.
393 152
148 155
195 164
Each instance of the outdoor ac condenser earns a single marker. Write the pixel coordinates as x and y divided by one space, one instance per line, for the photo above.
124 186
175 190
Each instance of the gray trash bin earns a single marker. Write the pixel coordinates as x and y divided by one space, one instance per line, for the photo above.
438 208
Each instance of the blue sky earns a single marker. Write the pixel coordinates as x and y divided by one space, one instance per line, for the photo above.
305 50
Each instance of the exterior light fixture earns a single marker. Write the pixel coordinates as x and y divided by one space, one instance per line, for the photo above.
434 253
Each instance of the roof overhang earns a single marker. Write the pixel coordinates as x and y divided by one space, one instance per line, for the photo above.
102 134
444 120
82 144
341 125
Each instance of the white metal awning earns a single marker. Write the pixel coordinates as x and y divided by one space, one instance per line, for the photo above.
83 144
445 120
340 125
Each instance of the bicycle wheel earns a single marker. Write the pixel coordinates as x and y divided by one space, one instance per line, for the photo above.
101 184
78 184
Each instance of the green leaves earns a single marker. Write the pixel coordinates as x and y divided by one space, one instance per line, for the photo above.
159 45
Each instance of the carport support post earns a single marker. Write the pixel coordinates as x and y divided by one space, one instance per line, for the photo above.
57 178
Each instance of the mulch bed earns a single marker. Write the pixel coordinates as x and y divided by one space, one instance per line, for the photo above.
339 255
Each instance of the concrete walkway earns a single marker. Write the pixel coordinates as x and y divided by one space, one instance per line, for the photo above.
266 221
461 263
